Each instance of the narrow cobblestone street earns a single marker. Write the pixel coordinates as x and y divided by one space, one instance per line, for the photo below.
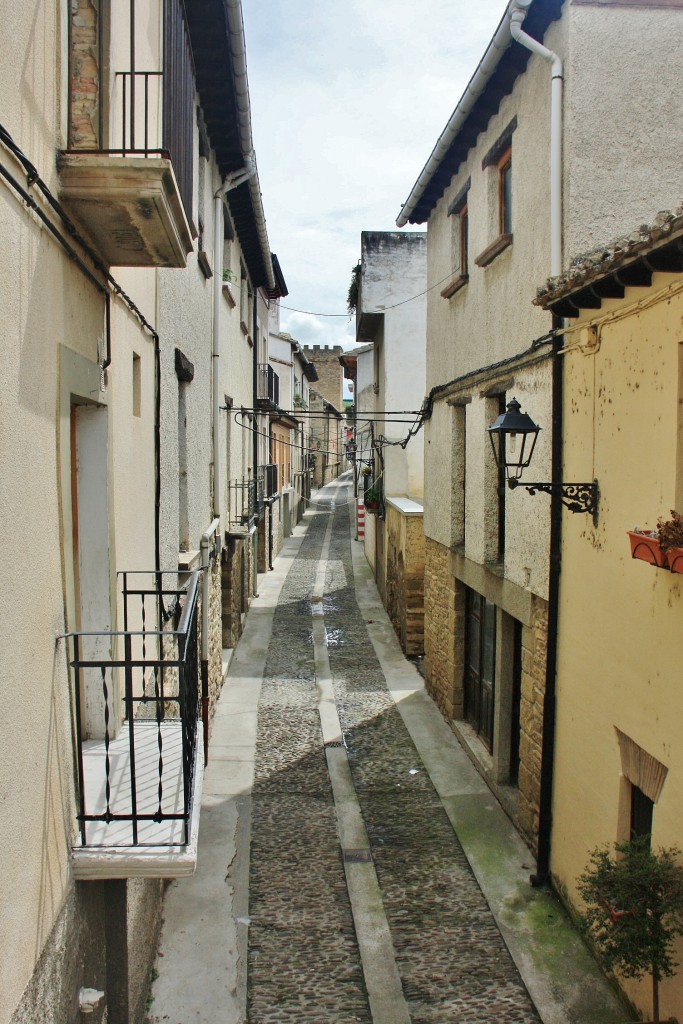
362 903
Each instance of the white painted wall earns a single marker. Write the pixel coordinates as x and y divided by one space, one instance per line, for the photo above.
393 282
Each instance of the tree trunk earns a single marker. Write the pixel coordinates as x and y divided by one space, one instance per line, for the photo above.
655 996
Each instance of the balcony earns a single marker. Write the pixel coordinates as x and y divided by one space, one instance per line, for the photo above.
242 505
267 387
130 208
139 739
126 177
299 400
267 483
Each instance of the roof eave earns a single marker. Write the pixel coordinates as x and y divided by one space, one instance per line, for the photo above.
490 79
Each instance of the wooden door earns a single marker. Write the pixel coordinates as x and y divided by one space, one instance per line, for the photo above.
480 666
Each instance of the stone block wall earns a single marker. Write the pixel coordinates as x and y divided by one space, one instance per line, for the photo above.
237 573
330 372
534 654
85 75
405 579
444 630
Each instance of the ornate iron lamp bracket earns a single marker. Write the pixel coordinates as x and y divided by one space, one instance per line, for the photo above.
575 497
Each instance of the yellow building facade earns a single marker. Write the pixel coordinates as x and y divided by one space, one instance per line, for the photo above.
618 751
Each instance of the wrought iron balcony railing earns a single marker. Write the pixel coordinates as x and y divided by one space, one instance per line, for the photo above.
242 504
268 385
137 712
270 480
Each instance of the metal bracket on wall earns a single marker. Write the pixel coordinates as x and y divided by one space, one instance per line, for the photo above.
575 497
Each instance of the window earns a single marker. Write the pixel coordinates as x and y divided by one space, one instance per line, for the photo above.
246 300
498 165
462 226
137 385
505 193
642 780
641 814
458 210
480 665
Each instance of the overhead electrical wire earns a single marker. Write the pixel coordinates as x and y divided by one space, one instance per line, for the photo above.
370 312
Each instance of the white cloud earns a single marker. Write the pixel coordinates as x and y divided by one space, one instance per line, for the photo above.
348 101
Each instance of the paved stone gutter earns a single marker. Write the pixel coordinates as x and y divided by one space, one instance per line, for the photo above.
304 960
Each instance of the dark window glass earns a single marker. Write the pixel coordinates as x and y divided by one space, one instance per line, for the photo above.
641 813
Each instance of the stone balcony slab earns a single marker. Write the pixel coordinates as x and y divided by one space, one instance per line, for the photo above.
130 208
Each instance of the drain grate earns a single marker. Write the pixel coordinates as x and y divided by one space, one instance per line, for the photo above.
357 857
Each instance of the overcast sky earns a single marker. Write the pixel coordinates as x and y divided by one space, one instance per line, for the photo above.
348 100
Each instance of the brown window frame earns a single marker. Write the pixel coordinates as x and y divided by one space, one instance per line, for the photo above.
463 216
505 202
459 208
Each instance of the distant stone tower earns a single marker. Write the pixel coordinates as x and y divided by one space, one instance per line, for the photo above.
330 373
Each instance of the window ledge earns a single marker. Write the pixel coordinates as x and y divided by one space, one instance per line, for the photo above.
188 560
227 294
455 285
161 852
204 265
243 327
494 249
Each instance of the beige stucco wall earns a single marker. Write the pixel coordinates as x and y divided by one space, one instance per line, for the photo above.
620 645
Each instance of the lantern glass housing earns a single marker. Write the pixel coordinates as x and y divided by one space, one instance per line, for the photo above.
513 439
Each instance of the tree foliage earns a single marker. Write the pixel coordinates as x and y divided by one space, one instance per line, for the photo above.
634 908
352 297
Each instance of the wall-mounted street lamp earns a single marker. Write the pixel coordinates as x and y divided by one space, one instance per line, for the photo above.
513 439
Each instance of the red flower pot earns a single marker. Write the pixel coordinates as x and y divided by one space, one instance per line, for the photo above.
647 549
674 558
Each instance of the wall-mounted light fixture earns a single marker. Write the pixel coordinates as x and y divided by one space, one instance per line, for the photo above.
513 439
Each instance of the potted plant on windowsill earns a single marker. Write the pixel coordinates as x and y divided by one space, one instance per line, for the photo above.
645 546
670 535
371 498
662 547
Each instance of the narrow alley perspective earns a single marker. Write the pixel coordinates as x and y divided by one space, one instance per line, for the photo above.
353 866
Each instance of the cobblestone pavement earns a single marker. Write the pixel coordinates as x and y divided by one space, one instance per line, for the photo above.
304 960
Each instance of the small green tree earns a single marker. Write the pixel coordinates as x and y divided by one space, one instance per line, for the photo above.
634 909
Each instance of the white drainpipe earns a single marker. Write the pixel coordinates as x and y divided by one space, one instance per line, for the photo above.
232 181
517 15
